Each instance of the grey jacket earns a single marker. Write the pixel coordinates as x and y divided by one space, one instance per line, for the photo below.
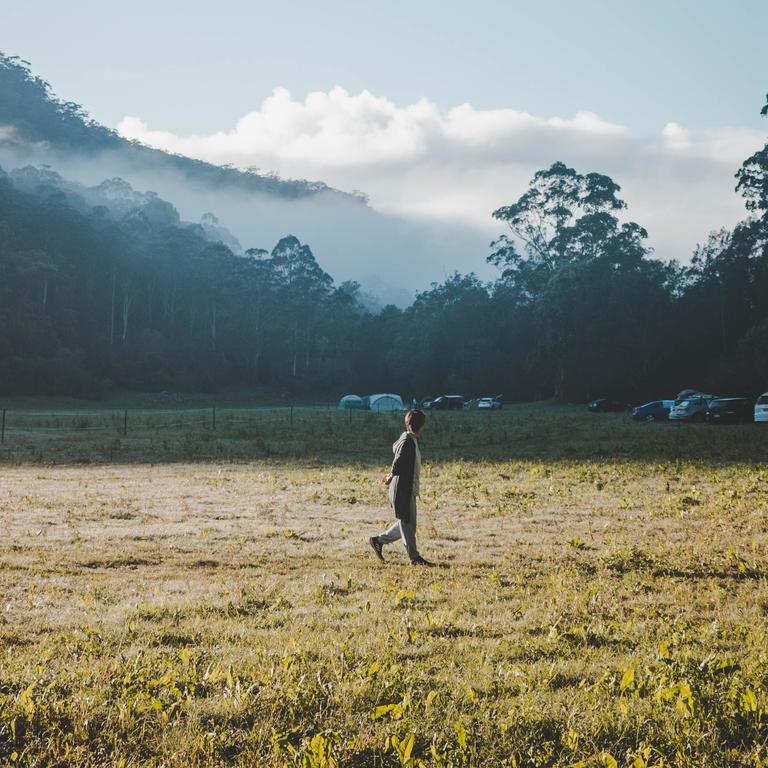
403 469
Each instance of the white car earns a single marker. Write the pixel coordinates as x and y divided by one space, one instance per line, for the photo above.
488 404
761 408
690 409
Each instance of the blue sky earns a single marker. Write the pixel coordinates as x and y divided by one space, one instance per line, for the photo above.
192 67
439 111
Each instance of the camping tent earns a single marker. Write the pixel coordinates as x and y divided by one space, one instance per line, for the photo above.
350 401
384 402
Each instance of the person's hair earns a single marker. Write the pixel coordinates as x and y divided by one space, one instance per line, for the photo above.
415 419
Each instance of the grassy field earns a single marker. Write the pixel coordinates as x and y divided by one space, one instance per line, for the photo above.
180 596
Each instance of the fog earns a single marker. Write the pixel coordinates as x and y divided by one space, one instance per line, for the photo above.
391 257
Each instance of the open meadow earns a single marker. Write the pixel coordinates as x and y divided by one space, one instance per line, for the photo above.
177 595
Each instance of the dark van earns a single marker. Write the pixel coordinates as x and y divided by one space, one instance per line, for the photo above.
729 410
448 403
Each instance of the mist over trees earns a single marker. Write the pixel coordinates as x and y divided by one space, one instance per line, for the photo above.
123 293
385 253
106 287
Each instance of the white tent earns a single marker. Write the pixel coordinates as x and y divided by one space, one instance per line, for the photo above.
350 401
385 402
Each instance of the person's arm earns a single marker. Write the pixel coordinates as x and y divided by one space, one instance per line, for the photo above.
403 462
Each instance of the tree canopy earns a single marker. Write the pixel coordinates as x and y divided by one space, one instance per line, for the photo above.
106 286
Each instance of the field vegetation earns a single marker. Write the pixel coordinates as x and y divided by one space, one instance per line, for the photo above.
203 597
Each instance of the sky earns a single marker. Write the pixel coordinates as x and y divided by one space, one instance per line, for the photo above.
439 111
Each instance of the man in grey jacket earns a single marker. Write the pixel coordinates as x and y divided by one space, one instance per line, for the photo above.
403 482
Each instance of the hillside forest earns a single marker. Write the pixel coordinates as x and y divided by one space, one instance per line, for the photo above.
106 287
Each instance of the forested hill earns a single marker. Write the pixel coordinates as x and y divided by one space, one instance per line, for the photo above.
33 119
389 255
104 287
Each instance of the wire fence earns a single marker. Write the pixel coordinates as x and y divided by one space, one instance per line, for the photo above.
125 420
149 434
323 432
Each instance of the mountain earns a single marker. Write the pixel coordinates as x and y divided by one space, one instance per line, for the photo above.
33 119
390 257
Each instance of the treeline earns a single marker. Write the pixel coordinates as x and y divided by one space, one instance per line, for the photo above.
105 287
581 308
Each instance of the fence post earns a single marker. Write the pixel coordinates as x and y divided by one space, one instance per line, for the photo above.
214 418
2 430
125 422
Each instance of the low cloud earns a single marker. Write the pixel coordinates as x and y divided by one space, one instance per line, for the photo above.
10 136
459 165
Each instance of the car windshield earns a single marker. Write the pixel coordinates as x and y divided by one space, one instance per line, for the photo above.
762 400
684 403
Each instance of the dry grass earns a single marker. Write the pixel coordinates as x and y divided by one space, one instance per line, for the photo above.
585 612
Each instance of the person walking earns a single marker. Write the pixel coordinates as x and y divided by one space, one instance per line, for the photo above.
403 481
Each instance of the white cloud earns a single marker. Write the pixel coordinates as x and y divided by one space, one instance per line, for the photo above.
676 136
327 129
459 165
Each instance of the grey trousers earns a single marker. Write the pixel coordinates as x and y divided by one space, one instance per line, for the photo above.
404 531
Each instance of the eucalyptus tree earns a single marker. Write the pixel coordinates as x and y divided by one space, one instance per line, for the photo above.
257 286
582 281
753 179
303 287
730 276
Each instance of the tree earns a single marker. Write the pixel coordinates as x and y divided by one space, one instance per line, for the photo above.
753 177
557 201
303 288
568 260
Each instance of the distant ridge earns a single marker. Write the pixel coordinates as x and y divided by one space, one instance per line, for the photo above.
390 255
33 118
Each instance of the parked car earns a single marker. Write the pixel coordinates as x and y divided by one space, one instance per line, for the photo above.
656 410
426 403
691 409
761 409
471 405
605 405
447 403
488 404
684 394
729 410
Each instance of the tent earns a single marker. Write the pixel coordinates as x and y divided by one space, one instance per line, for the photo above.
384 402
350 401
